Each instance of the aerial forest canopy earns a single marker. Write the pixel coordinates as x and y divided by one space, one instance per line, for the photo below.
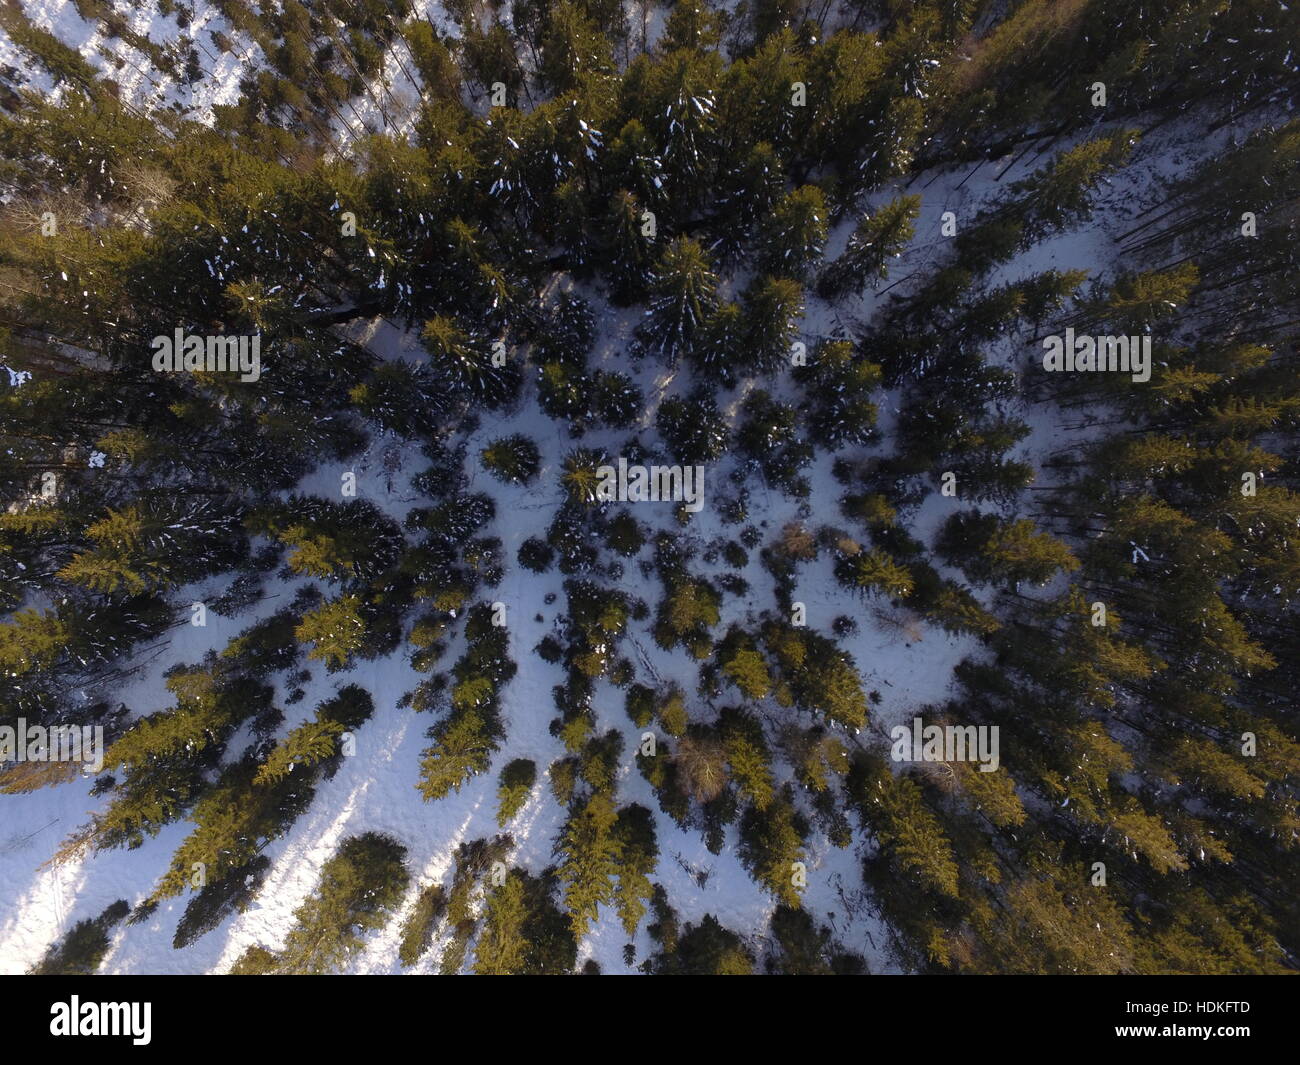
546 486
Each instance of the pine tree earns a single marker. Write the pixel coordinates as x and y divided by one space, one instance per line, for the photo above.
489 56
141 548
589 851
792 235
33 641
307 745
512 459
332 541
360 887
401 398
891 149
465 740
524 932
615 399
678 104
718 351
1059 193
749 759
743 665
693 26
439 74
817 674
581 476
421 922
465 361
748 193
502 947
705 949
771 306
875 240
686 613
516 783
992 550
573 49
682 292
874 571
233 820
217 900
629 252
769 438
336 629
1138 301
638 854
771 843
838 385
910 834
633 164
803 949
693 428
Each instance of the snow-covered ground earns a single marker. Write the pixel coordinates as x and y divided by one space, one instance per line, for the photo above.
375 790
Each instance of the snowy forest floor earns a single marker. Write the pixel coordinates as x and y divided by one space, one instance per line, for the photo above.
908 663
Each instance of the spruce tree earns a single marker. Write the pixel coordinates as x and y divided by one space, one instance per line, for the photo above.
682 290
875 240
792 235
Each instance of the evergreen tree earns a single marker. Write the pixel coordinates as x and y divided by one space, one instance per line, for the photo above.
360 887
517 780
873 572
83 949
418 929
401 398
590 852
638 853
693 428
336 630
771 306
512 459
719 349
875 240
839 385
993 550
792 235
331 541
572 48
743 665
682 298
629 252
768 437
524 931
465 361
771 845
